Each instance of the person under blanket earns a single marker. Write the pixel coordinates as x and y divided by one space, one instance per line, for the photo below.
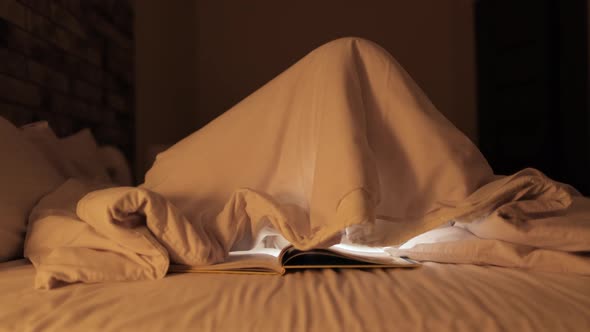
342 146
344 137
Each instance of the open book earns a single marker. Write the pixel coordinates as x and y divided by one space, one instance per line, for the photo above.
277 261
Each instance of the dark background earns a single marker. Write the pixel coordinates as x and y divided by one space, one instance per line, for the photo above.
532 67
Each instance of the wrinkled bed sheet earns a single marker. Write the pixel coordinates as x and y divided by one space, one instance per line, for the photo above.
435 297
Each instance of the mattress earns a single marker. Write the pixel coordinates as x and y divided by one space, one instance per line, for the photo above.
434 297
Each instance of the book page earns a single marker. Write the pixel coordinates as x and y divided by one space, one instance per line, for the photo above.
256 261
343 255
371 254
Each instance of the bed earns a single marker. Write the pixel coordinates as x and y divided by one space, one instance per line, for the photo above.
435 297
98 255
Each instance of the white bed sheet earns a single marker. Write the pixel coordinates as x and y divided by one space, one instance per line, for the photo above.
435 297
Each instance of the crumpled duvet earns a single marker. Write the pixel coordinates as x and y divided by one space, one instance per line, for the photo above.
343 146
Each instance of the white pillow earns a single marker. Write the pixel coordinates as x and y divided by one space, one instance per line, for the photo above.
25 177
82 151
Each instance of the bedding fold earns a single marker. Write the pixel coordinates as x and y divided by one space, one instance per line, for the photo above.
342 146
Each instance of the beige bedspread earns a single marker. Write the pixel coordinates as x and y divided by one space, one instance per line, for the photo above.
435 297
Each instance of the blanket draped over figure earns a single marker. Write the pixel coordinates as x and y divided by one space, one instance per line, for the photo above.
342 146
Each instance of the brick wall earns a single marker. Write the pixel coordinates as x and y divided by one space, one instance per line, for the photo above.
69 62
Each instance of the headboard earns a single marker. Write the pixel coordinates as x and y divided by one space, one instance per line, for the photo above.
70 63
